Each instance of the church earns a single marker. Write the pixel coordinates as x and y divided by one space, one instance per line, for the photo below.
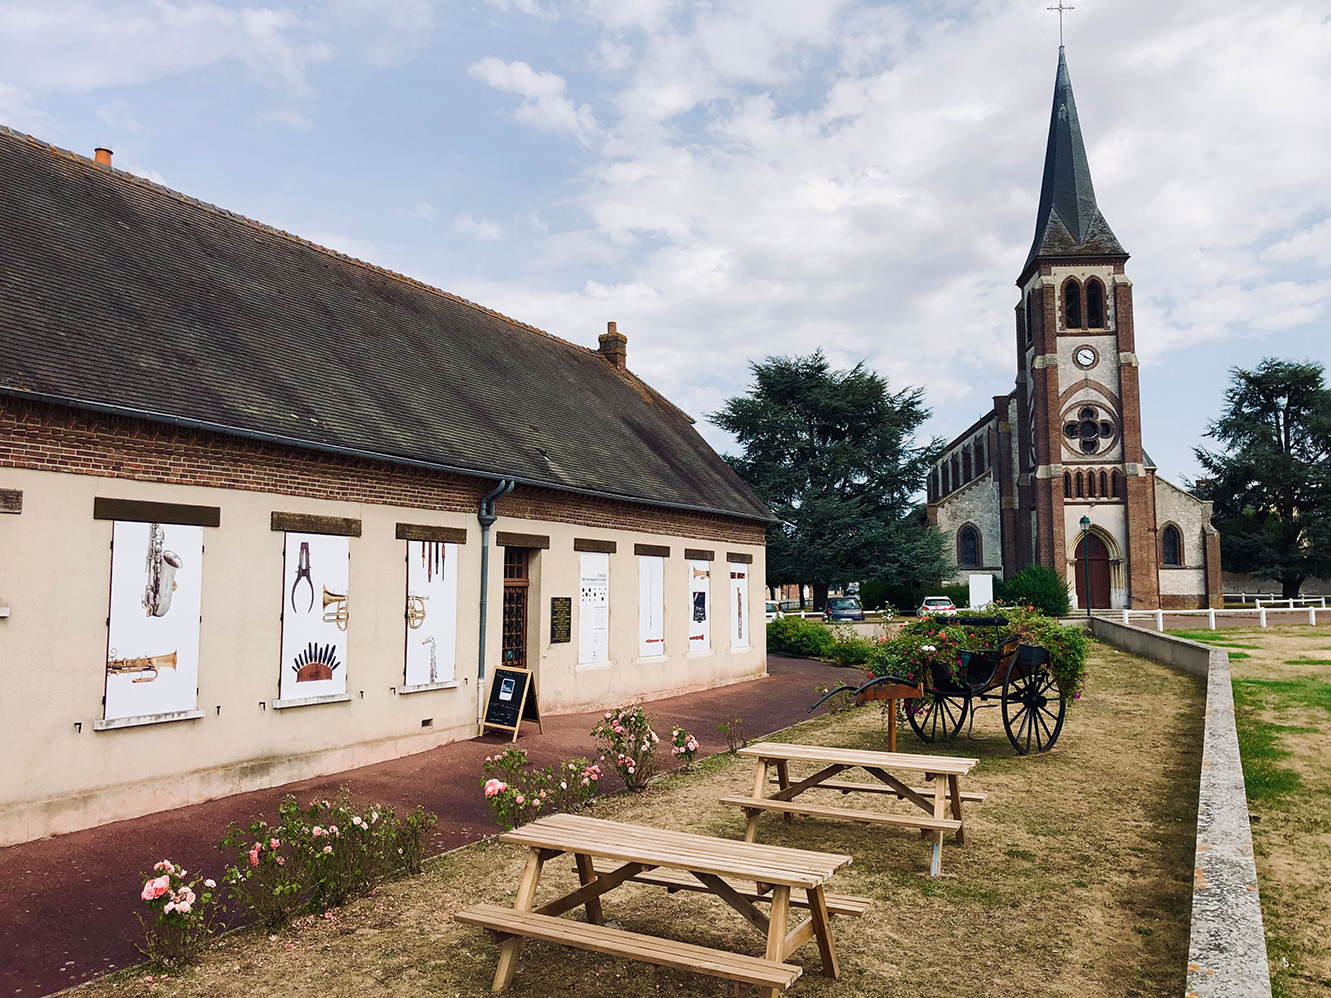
1055 473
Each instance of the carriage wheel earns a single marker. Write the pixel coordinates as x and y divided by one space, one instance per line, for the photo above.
942 718
1032 709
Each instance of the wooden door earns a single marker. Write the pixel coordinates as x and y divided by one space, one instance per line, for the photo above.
516 585
1093 555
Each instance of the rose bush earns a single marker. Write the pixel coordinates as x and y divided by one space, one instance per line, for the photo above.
183 915
683 746
518 793
627 742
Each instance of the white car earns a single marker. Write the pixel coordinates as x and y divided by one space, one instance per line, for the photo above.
936 604
773 610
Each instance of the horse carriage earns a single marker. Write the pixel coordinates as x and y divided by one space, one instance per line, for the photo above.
1014 676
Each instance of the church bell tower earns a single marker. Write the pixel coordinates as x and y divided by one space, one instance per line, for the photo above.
1078 415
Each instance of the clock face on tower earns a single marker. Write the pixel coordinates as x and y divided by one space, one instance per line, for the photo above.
1085 356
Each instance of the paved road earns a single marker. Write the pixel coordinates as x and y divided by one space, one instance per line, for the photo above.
68 904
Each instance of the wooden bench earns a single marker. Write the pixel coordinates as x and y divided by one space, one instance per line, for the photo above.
849 786
509 923
845 814
677 880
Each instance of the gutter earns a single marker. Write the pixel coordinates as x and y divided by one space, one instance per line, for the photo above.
363 455
487 516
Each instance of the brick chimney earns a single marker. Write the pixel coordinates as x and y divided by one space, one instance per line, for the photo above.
614 347
102 155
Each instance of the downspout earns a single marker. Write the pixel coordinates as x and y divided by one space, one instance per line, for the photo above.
487 517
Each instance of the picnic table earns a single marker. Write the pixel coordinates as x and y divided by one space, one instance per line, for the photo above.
945 796
608 854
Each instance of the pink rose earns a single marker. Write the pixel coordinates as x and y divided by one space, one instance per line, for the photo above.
327 850
316 831
273 843
210 883
520 799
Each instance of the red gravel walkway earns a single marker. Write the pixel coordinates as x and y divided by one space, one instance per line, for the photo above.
68 904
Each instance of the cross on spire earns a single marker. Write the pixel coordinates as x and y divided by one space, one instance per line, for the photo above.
1060 8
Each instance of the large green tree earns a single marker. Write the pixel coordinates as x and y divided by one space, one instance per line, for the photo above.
1270 481
833 454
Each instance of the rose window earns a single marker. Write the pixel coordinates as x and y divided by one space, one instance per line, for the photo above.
1091 429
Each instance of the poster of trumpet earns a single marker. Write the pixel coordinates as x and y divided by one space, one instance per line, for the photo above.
700 626
152 661
432 612
651 606
739 605
315 616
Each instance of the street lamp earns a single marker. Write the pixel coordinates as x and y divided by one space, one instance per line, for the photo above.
1086 559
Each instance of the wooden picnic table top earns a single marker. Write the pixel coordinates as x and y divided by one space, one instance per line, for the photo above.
577 833
943 764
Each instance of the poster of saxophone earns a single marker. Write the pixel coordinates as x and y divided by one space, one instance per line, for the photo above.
315 615
152 660
432 612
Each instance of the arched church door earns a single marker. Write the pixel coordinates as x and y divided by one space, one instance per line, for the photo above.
1092 554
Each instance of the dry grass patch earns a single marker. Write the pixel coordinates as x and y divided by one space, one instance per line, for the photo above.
1075 880
1282 697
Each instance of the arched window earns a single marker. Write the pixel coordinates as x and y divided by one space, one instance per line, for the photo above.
1117 484
979 457
1104 486
1030 318
1081 488
1072 304
1067 485
1171 546
946 471
1090 485
966 475
1095 304
968 546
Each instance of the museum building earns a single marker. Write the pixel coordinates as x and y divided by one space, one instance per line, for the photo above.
268 512
1055 472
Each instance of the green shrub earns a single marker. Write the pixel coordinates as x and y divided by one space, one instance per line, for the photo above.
850 648
1039 587
905 599
797 636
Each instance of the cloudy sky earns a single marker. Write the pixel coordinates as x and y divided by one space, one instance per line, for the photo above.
741 178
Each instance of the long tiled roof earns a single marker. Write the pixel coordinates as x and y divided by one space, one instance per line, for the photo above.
119 294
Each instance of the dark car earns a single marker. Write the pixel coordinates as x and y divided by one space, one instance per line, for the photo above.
844 608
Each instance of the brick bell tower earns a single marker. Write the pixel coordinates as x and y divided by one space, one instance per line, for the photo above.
1079 421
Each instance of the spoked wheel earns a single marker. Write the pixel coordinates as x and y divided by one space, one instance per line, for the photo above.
942 718
1032 709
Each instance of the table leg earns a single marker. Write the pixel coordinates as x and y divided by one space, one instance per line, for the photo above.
776 929
759 790
783 778
585 876
940 811
508 950
892 726
954 788
822 931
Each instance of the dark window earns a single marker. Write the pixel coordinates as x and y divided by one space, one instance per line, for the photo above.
1117 485
1081 488
1090 485
968 545
979 457
1171 545
515 607
1104 485
966 475
1072 304
1095 304
1067 485
1030 318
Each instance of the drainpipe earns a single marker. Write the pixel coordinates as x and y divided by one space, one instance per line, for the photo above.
487 516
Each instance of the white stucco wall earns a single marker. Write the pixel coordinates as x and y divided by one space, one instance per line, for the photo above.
977 503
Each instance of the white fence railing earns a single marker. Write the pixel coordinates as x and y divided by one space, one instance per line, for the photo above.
1271 599
1159 615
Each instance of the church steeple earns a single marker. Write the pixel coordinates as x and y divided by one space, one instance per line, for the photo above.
1068 222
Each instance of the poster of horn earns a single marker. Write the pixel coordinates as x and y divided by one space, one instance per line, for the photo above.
315 615
152 661
651 606
739 605
700 625
432 612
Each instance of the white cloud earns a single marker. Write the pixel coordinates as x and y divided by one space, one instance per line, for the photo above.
545 106
18 111
290 118
423 210
485 231
117 115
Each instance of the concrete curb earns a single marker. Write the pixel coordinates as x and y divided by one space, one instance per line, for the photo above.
1227 948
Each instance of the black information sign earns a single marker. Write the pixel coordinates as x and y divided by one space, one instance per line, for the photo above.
512 700
561 619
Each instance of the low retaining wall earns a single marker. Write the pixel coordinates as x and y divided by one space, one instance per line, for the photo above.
1227 949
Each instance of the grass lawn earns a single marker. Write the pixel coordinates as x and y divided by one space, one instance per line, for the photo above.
1282 700
1076 879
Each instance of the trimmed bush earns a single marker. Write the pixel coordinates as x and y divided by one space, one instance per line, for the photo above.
850 648
1039 587
797 636
906 599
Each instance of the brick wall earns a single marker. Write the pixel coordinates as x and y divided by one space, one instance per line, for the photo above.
53 438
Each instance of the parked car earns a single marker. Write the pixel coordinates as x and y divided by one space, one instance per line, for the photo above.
790 606
843 608
936 604
773 611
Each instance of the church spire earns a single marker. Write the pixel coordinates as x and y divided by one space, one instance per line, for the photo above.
1068 223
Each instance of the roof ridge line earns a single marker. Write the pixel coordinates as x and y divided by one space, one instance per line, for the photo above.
283 233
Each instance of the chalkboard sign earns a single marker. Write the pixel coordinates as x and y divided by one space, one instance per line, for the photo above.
561 619
512 701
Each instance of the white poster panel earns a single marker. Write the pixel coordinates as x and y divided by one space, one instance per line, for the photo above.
700 611
594 608
651 606
314 616
152 661
432 612
739 605
981 591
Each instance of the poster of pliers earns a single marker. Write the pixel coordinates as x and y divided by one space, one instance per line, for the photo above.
315 615
152 660
432 612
